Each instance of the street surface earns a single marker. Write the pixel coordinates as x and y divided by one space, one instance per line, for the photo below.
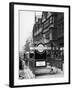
49 72
59 73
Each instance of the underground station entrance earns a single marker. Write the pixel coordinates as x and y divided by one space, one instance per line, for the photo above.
45 60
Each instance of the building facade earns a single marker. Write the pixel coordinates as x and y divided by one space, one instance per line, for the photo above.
49 29
60 29
37 31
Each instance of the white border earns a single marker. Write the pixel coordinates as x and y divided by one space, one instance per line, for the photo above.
16 55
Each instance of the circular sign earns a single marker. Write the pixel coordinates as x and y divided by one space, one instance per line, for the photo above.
40 48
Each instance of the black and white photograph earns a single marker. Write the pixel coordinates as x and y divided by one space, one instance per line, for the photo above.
41 44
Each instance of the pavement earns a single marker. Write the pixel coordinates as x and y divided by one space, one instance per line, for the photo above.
26 73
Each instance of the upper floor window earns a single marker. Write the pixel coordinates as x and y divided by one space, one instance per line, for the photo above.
51 19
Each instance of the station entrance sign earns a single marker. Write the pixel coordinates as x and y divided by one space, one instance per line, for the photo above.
40 48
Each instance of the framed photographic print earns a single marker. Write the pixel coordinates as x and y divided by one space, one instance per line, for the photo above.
39 44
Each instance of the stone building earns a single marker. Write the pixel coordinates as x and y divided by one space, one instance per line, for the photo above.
49 29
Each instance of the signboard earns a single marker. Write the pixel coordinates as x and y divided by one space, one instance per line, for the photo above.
41 48
40 63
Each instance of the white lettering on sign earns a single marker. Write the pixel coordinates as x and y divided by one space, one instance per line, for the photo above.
41 48
40 63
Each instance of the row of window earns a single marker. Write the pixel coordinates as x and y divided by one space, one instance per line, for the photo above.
49 21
